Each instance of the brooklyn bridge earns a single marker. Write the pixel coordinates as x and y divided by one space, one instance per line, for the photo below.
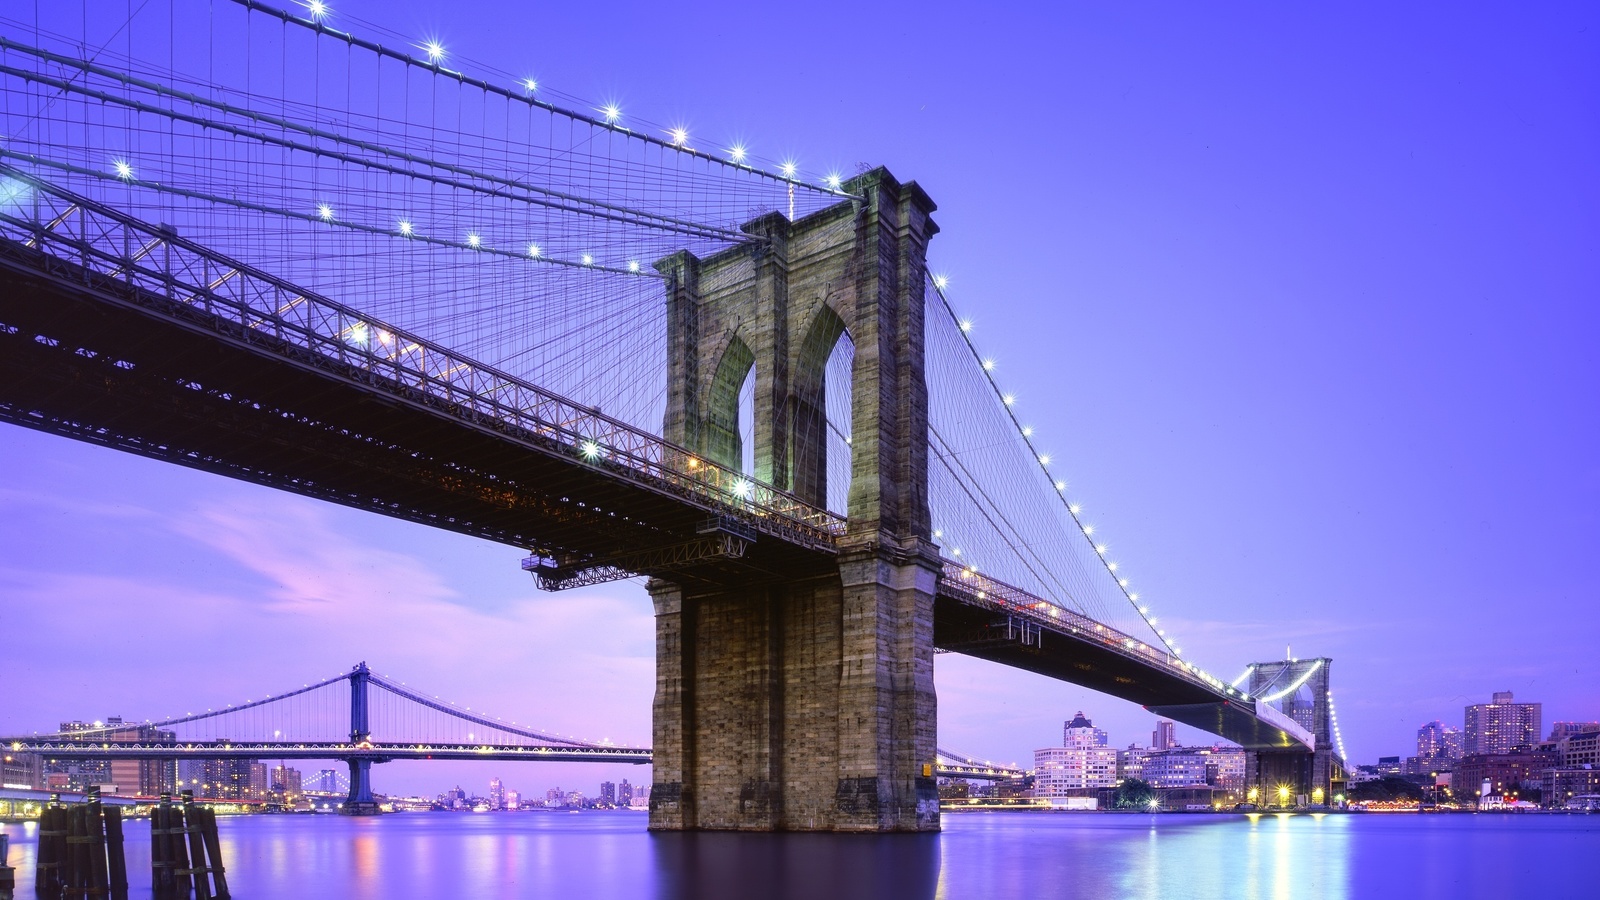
461 301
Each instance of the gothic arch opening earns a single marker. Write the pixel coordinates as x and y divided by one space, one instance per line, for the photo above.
727 437
823 383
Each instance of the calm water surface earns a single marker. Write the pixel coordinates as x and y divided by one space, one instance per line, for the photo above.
982 855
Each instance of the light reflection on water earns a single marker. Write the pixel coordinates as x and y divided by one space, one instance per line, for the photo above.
1001 855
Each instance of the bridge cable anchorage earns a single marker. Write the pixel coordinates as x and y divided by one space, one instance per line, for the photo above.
605 122
605 211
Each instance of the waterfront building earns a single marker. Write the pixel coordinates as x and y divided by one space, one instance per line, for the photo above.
513 800
575 800
1501 726
1165 737
1130 763
1562 786
1082 763
1560 730
497 794
624 793
1388 765
608 793
1506 773
1579 749
1427 766
22 772
641 797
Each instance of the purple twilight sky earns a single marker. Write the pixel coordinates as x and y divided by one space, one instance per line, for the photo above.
1304 302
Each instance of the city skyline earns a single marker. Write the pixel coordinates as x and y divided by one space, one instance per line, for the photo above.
1328 344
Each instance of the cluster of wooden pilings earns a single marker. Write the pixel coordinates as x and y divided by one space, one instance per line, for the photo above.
185 852
80 852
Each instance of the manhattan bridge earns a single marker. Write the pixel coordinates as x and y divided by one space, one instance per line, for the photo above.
311 253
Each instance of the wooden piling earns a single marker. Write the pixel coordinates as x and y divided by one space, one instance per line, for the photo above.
97 882
213 842
163 862
116 857
197 848
52 840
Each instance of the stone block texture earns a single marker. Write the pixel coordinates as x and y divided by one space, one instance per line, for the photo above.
806 702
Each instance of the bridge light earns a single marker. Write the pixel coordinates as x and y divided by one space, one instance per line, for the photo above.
324 212
1134 597
941 282
966 325
473 240
612 112
435 51
956 552
742 489
588 260
1088 529
530 84
1111 566
1061 485
533 250
405 228
788 168
318 9
1044 460
633 266
937 533
1009 399
835 180
679 135
1101 549
988 365
589 449
736 153
1144 610
124 171
1123 582
1075 508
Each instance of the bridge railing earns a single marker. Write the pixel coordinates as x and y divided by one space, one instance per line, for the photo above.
99 241
976 588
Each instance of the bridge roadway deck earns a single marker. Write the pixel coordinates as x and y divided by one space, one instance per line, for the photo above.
389 752
89 356
370 750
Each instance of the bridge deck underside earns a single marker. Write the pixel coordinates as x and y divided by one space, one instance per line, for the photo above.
101 363
961 626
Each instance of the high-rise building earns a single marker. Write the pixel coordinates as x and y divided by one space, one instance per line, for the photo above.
226 779
288 782
624 793
1080 732
1165 737
513 799
1501 726
1437 740
608 793
1083 763
497 794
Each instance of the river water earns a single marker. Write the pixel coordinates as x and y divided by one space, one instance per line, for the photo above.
979 855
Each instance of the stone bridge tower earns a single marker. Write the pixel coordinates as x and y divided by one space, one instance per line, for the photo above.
806 701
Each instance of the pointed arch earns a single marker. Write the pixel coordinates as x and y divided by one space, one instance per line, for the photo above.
809 432
719 435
